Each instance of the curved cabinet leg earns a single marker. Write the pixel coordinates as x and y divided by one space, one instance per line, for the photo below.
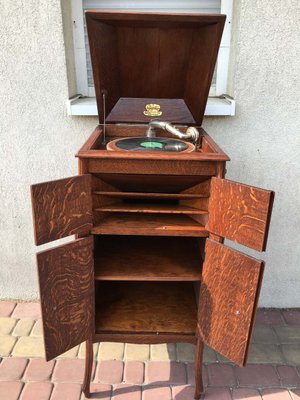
198 369
89 358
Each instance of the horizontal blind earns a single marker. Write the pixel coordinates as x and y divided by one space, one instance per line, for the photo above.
193 6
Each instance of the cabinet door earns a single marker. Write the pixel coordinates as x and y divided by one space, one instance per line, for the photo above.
61 208
228 299
66 279
240 213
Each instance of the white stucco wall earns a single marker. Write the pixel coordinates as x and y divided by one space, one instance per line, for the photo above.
39 140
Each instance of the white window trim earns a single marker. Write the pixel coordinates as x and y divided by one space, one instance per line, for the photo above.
85 103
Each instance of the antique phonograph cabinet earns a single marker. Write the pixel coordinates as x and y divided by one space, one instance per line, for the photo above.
150 211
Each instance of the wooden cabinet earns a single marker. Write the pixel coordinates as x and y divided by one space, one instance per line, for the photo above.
148 264
136 278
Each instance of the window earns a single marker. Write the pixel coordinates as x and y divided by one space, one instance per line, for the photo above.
84 76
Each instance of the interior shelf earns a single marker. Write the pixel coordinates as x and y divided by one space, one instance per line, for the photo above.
138 258
143 195
151 208
149 224
146 307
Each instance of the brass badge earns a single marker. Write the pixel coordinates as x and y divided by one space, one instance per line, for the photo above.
153 110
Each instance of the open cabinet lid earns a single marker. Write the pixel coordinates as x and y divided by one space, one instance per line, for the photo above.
153 65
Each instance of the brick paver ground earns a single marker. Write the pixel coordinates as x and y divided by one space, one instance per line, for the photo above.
141 372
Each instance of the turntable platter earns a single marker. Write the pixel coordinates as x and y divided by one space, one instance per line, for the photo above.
155 144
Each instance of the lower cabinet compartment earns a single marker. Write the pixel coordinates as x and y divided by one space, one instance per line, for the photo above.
145 307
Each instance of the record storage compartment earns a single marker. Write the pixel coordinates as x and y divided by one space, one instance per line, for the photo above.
138 281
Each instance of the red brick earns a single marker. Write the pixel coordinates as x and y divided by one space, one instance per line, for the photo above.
243 394
13 388
6 308
12 369
156 393
173 373
269 317
217 394
69 371
27 310
39 370
257 375
100 391
191 374
292 317
134 372
295 394
288 376
275 394
66 391
36 390
127 392
183 392
221 375
109 371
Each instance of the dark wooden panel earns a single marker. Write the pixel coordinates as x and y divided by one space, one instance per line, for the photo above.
61 208
146 307
135 258
66 282
228 298
240 213
132 110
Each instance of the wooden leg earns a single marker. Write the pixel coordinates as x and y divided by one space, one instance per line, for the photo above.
198 369
89 358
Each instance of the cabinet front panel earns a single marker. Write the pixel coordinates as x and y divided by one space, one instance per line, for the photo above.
228 298
66 280
240 213
61 208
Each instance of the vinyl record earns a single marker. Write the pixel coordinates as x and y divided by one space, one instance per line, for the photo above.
149 144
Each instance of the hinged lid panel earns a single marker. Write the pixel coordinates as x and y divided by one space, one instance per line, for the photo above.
153 56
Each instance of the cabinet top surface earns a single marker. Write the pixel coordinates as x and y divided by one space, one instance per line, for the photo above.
152 64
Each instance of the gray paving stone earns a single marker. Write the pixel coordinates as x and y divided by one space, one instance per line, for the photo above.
262 353
291 353
264 334
288 334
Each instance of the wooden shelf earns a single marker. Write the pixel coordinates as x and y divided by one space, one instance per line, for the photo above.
147 258
149 224
144 195
151 209
146 307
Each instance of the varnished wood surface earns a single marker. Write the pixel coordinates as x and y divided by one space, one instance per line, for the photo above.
143 195
132 110
149 224
145 338
61 208
147 166
66 279
228 298
136 258
146 307
240 213
136 57
136 183
151 208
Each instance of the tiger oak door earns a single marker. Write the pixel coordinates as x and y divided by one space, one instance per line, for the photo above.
66 273
231 280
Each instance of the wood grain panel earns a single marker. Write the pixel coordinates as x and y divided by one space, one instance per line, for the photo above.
228 298
240 213
61 208
66 282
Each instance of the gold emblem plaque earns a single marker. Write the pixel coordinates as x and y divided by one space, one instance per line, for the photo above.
153 110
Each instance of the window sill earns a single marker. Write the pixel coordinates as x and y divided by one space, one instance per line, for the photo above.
216 106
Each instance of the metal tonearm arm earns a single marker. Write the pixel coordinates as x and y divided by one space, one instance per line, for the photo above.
191 132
